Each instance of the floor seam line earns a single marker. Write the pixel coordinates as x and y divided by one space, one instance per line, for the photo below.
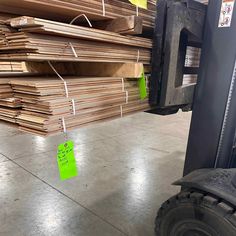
8 158
92 212
28 155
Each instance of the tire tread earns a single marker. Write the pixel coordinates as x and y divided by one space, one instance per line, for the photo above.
223 209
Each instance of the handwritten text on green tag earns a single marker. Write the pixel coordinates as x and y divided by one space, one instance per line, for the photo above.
66 160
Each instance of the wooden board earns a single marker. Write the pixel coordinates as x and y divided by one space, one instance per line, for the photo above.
131 25
11 66
36 25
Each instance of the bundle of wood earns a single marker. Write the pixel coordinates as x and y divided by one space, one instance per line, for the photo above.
36 25
95 10
9 106
9 109
4 29
51 106
8 66
9 114
10 102
45 40
5 89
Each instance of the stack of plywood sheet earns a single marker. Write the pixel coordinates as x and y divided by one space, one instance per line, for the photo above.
95 10
49 107
9 114
8 66
39 40
5 89
9 106
58 94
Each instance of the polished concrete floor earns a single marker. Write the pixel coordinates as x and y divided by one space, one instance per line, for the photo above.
126 168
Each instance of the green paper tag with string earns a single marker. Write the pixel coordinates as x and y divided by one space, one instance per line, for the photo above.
139 3
142 86
66 161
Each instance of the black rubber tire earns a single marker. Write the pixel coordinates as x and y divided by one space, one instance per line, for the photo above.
192 213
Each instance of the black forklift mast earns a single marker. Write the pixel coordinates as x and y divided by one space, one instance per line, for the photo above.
212 136
212 133
207 203
183 23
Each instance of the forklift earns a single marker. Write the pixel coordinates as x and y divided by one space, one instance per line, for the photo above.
206 205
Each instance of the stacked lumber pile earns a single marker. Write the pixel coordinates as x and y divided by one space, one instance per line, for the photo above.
43 103
9 109
65 11
49 107
9 106
72 94
5 89
38 39
8 66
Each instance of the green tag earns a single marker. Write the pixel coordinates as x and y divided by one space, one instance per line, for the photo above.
142 87
66 160
140 3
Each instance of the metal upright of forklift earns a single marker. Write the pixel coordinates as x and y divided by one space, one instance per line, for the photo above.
207 203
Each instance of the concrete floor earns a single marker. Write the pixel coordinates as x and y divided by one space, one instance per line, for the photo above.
126 168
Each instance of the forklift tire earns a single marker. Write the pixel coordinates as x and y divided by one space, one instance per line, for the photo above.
193 213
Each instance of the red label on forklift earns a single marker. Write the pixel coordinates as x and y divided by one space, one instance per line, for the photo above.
226 13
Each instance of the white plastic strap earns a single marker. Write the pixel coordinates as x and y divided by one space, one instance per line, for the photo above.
90 25
127 97
73 106
103 8
86 18
123 85
63 124
137 11
65 84
66 89
138 56
121 111
73 50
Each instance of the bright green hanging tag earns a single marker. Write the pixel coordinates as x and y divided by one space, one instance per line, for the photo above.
139 3
142 87
66 160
